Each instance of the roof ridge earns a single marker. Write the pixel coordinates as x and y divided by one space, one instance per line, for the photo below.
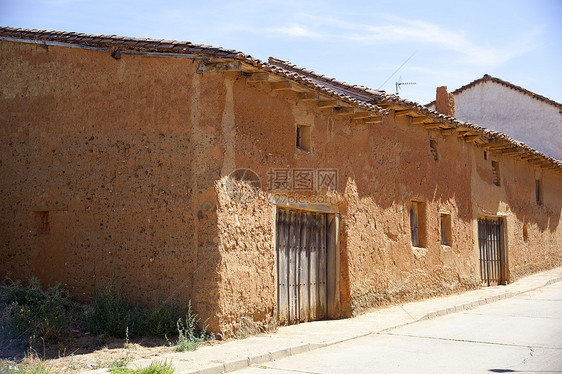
488 77
115 41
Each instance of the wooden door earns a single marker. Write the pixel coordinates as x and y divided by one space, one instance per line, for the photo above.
301 265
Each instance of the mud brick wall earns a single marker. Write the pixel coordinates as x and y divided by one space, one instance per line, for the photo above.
104 167
117 168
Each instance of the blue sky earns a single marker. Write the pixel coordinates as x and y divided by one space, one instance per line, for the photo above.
364 42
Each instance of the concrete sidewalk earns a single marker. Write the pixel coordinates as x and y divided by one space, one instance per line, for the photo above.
295 339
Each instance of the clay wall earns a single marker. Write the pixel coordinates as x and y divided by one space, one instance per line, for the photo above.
381 169
128 161
121 157
532 232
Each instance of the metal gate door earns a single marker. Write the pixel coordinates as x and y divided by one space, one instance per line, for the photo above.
301 265
492 251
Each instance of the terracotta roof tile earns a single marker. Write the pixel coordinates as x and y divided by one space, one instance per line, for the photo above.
113 40
381 97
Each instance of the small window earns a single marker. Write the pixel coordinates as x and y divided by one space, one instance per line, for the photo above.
485 155
417 223
446 233
496 172
538 191
42 222
303 137
433 149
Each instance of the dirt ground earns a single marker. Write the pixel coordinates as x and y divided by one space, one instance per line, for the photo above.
93 352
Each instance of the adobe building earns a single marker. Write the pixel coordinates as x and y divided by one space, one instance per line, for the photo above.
265 193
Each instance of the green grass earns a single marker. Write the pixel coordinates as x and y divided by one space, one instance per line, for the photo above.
155 367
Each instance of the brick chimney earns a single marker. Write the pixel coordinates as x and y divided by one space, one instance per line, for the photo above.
444 102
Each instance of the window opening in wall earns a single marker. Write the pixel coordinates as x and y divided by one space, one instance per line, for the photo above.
485 155
538 191
303 137
496 172
417 223
43 224
446 233
433 149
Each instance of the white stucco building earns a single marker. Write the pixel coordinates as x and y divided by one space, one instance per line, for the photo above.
502 106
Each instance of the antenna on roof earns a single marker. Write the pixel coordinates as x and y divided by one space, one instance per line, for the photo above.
398 84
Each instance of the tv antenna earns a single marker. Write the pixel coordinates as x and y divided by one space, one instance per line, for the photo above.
398 84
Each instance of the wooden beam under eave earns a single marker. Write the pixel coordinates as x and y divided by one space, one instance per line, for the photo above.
327 104
374 120
512 152
220 66
258 77
280 86
389 106
342 111
417 120
361 115
479 140
470 138
308 96
500 149
402 113
461 133
494 143
447 132
434 125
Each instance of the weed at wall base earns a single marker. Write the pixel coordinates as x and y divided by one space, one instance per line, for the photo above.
29 314
112 314
189 336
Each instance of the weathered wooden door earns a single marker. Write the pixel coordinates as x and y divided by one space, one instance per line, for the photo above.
301 265
492 251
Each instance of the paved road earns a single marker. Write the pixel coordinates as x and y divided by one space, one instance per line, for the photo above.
521 334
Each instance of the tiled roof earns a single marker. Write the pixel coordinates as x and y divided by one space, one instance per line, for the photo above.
382 98
360 96
109 41
489 78
179 47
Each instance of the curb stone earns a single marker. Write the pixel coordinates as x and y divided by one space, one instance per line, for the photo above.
291 351
238 364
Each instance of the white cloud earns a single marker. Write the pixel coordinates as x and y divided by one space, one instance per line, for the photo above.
466 49
297 31
471 52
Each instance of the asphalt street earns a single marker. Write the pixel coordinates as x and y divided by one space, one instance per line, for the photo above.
522 334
